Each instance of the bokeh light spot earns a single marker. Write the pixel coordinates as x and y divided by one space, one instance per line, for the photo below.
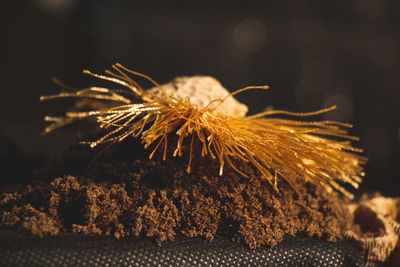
57 6
344 110
250 35
372 8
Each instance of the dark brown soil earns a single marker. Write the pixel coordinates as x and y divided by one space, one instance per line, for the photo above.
123 194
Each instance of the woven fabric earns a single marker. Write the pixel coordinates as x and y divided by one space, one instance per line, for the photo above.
81 250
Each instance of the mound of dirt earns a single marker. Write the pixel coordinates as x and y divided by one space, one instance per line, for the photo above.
123 193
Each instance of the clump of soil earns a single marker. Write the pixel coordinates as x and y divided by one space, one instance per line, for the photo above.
125 194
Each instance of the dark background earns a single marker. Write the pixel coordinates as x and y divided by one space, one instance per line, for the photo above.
313 54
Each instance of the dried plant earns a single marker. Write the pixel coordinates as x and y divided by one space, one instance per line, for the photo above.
276 147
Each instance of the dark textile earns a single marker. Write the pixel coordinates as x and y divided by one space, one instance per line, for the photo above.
81 250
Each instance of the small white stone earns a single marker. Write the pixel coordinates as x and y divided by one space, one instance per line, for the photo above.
202 90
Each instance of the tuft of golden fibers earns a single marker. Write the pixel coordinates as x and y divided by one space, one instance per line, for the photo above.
278 148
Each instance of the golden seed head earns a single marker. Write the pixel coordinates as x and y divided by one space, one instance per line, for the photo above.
199 107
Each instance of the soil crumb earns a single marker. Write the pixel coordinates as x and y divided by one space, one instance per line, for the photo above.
123 193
